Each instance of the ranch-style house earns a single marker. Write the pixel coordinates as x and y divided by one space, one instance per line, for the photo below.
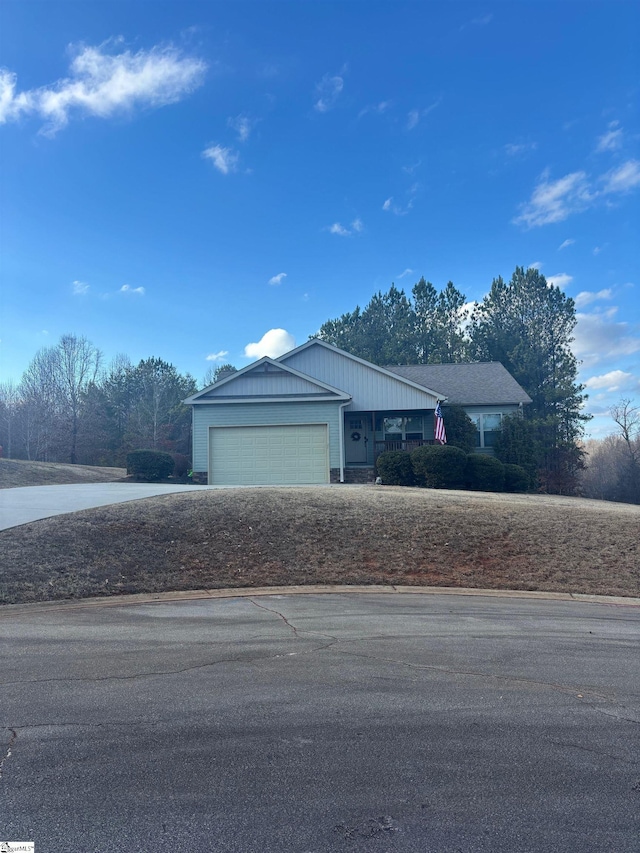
318 414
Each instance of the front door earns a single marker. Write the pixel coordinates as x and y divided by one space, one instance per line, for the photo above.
356 439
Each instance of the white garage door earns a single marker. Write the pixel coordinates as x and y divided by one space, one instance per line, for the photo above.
268 455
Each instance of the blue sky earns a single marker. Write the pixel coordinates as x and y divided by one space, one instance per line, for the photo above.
202 181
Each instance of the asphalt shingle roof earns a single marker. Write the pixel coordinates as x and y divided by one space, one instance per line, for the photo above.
484 384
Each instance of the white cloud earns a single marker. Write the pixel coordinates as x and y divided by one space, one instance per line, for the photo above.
243 125
536 265
412 168
514 149
623 179
376 109
397 209
566 244
278 279
611 140
408 271
340 230
465 314
615 380
480 21
102 83
586 297
414 116
217 356
327 92
599 337
224 159
559 280
554 201
126 288
80 288
273 343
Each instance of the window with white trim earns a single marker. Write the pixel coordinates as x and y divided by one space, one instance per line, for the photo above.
401 429
488 428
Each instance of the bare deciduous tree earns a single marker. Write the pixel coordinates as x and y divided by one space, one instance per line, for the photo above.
9 406
613 463
53 387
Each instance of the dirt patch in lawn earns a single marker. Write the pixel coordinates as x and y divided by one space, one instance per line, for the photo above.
18 472
342 534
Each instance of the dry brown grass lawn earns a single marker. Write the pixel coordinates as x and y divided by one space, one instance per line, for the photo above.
18 472
346 535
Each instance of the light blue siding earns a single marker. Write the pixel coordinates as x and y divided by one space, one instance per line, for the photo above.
371 389
261 383
504 409
255 414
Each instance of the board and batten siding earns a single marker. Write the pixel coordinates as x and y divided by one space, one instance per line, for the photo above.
371 390
260 383
263 414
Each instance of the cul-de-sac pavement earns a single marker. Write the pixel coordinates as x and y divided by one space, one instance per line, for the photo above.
315 723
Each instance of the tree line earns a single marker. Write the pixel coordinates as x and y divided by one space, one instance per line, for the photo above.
612 472
69 407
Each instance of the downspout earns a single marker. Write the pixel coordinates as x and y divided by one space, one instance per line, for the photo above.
341 409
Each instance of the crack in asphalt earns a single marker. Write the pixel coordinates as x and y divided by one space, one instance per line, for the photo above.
595 751
13 738
296 631
27 726
151 673
335 641
563 688
610 713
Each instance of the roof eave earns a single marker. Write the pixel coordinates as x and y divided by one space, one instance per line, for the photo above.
293 398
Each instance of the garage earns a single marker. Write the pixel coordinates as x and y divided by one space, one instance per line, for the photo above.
292 454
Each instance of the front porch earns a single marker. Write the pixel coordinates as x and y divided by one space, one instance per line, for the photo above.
368 434
382 446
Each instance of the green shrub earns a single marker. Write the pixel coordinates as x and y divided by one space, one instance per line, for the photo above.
181 464
517 444
395 468
461 430
438 466
484 473
149 465
516 478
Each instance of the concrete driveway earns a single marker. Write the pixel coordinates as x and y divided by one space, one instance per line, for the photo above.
322 724
30 503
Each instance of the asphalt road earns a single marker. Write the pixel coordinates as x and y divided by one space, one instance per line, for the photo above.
314 724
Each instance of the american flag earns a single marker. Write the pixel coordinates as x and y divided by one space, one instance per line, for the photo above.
440 434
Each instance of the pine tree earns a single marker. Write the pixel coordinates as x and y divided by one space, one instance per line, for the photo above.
527 325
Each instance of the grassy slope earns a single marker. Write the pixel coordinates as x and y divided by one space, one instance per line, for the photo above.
357 535
18 472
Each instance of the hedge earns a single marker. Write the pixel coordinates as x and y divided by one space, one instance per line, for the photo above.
516 479
484 473
394 468
437 466
150 465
